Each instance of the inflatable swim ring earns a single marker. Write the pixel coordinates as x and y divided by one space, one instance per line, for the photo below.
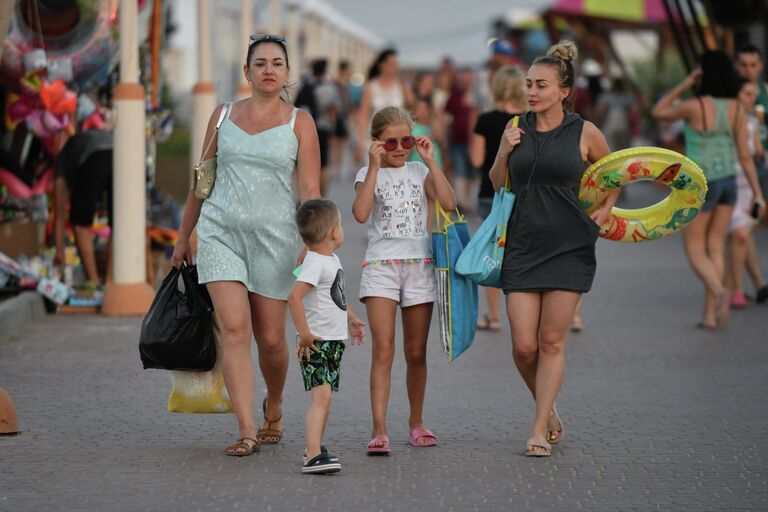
81 31
688 188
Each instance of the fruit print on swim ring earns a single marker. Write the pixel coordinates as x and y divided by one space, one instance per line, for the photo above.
688 188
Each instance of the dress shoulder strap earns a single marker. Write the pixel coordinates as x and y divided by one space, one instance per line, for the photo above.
292 122
703 114
224 114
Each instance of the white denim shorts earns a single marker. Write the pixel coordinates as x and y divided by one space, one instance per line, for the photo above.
409 284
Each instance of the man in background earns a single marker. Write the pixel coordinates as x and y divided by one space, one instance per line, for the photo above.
83 179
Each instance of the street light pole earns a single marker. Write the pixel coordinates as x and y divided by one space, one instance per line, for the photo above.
128 292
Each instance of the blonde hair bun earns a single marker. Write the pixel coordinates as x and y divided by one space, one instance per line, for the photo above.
563 50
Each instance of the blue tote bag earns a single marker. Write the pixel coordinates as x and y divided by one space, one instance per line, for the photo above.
481 259
456 295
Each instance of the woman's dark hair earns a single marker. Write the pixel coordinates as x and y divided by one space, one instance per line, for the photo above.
561 56
375 70
718 78
253 45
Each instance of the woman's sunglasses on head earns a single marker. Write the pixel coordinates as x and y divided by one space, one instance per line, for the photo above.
406 142
269 38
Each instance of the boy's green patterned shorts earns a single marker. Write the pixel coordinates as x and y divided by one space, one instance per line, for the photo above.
325 366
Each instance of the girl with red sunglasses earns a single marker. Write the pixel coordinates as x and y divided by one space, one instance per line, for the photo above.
392 195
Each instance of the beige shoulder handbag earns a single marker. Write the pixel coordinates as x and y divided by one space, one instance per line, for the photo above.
205 171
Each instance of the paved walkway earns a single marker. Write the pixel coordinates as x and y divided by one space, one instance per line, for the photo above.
659 416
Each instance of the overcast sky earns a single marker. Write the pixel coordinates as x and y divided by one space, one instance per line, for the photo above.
422 30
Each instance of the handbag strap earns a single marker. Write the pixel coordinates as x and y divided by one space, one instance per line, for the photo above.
441 214
222 116
507 183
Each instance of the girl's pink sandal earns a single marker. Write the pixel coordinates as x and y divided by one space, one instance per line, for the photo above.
418 436
379 445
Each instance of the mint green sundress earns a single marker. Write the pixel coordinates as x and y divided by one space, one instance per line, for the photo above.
247 228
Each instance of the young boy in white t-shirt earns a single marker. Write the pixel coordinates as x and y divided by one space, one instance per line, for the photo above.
319 310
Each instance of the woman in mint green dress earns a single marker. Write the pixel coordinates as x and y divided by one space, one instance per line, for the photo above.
248 242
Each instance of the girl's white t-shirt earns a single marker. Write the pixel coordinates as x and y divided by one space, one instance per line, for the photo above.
397 228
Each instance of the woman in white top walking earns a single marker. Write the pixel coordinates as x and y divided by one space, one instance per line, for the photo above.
384 88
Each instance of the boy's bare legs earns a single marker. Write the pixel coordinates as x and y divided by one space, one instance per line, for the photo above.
317 418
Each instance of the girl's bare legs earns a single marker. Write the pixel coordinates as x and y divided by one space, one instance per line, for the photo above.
753 265
416 320
381 321
738 247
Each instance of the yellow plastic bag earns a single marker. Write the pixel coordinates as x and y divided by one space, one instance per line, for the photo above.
200 392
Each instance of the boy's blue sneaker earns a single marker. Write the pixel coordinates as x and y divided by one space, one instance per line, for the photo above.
323 451
321 465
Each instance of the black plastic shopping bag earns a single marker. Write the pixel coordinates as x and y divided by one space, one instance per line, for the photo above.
177 333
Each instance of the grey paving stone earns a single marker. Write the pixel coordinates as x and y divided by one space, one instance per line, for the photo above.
659 416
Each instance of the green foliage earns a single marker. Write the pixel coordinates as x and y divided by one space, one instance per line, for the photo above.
656 77
176 147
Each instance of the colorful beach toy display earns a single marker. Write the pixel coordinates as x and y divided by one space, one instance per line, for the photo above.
685 179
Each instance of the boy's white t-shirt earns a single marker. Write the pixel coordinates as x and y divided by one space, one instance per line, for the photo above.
325 305
397 228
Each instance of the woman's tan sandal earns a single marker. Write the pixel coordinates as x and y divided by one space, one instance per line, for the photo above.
537 447
243 448
269 435
488 323
555 428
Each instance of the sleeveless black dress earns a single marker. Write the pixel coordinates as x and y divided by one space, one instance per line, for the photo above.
550 239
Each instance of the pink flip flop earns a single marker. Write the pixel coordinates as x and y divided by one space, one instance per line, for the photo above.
379 445
417 437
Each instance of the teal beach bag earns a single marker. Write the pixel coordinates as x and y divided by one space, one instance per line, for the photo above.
456 295
481 259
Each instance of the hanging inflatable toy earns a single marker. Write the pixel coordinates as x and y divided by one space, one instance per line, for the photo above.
78 35
688 188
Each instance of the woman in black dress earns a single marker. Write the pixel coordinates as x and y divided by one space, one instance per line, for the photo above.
549 260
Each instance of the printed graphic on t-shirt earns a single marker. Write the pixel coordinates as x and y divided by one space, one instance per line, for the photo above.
402 209
385 191
337 291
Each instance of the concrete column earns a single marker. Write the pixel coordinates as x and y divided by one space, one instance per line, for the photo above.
310 36
128 293
246 24
333 41
293 36
274 17
203 93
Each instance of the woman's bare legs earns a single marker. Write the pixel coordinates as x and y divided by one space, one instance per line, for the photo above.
557 309
576 323
696 242
268 324
539 322
524 310
233 315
